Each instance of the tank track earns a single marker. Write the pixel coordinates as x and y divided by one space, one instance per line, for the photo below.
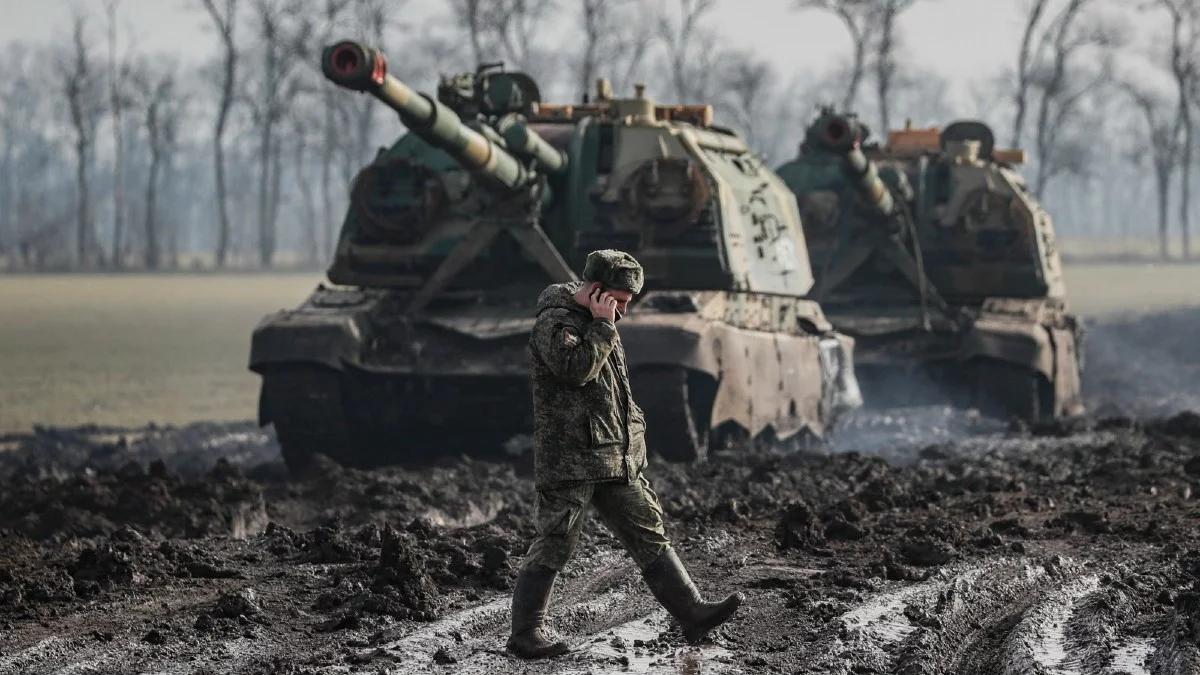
675 430
306 405
1004 391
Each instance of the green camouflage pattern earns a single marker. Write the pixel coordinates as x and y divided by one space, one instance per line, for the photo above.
586 426
631 511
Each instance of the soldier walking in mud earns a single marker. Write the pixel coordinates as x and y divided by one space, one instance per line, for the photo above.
590 450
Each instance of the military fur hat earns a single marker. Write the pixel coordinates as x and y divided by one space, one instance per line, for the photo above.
614 269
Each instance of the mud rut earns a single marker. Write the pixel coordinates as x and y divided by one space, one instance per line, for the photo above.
955 545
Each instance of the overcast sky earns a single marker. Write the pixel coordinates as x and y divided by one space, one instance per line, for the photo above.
966 41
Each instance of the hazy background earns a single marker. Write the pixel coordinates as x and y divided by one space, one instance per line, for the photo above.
109 142
1107 130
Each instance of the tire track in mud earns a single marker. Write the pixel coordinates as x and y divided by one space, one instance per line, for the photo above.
1170 655
1052 616
1012 621
601 611
867 637
1038 643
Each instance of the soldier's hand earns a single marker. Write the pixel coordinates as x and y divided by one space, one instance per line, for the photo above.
602 305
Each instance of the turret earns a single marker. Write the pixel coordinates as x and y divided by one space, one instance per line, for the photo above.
482 151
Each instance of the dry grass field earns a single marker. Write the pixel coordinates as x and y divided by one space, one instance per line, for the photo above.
1100 289
131 349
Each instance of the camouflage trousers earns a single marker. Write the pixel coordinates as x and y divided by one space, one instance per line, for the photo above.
631 512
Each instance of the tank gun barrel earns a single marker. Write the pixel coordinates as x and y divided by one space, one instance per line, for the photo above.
843 135
357 67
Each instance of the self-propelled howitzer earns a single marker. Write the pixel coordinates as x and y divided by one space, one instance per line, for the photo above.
418 347
930 251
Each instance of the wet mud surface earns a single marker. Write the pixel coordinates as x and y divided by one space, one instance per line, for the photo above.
960 545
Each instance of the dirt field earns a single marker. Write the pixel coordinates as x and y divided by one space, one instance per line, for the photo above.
1064 551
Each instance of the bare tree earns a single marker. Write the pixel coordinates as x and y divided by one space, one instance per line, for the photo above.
10 124
747 81
331 14
82 91
161 109
921 94
183 165
887 11
224 19
1163 141
616 40
1033 16
7 190
173 118
689 62
36 225
1185 69
520 27
300 131
118 100
1061 86
507 30
282 27
858 18
594 19
473 16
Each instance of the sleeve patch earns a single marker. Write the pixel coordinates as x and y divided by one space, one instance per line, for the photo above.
570 337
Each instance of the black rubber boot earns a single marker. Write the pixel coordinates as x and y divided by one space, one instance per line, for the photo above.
531 639
673 588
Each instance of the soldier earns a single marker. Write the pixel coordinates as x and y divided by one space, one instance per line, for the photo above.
589 449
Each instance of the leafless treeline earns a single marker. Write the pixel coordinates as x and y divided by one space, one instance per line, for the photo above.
117 158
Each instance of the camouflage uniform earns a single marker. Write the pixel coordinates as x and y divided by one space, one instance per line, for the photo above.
589 435
589 450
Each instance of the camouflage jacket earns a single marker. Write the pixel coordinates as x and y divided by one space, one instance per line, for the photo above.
586 427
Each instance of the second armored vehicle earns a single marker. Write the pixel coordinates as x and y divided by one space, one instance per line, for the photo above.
931 252
418 346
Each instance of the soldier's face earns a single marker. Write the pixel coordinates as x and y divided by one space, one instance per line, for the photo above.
622 298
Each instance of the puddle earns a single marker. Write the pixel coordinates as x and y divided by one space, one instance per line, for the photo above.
421 644
236 439
618 647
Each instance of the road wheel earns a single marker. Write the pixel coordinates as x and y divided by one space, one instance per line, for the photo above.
1005 391
678 409
306 406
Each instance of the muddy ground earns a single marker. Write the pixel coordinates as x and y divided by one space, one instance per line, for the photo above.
927 541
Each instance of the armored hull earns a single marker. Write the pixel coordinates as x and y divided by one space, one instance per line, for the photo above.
702 364
418 346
